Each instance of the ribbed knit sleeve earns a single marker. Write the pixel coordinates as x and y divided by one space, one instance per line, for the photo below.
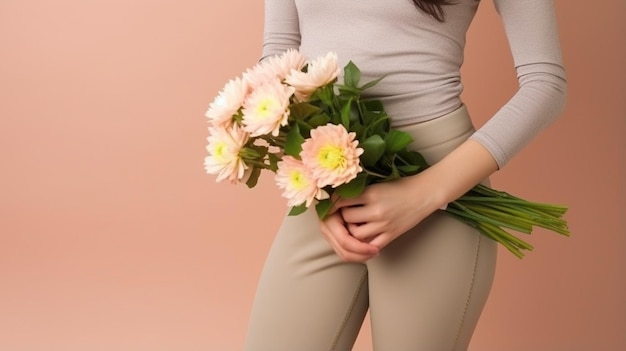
531 30
282 29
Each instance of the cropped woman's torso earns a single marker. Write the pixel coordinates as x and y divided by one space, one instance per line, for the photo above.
419 57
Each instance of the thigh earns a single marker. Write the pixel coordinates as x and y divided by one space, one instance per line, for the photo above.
427 288
307 298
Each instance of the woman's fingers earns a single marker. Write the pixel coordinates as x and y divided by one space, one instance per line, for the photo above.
365 222
364 232
339 202
363 214
382 240
345 245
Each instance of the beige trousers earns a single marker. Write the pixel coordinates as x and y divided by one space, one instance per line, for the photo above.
425 290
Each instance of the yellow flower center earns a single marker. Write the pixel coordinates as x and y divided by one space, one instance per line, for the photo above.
219 150
221 153
331 157
264 108
297 180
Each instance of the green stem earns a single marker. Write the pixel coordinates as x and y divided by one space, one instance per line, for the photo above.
500 215
511 243
378 175
489 198
274 141
481 218
257 164
503 238
509 237
521 216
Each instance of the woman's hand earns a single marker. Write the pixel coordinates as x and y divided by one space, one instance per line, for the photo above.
360 227
384 211
349 248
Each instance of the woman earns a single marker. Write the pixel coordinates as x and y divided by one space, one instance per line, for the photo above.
424 276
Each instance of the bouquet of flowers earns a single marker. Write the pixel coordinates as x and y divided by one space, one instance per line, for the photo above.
320 138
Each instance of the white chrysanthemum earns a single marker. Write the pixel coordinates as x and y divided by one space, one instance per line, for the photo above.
224 149
227 103
267 109
319 72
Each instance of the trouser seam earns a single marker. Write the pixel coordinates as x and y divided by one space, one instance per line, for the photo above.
471 289
344 322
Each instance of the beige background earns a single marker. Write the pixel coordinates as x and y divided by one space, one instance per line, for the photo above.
113 238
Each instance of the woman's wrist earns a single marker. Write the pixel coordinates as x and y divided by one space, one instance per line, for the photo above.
458 172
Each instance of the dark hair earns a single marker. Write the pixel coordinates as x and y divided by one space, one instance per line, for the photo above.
433 7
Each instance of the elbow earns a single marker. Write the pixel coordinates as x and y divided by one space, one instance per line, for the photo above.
556 89
560 95
547 84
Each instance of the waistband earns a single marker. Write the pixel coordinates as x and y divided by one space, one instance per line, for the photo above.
441 129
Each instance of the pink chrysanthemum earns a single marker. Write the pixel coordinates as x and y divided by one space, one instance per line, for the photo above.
267 109
296 180
275 68
224 149
332 155
227 103
319 72
283 64
260 74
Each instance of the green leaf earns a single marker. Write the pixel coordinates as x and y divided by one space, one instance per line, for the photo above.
251 152
296 210
302 110
372 83
273 162
359 129
373 105
397 140
380 125
345 113
395 173
318 120
352 75
323 207
326 94
293 143
354 188
345 90
305 128
373 148
254 177
408 170
370 117
412 158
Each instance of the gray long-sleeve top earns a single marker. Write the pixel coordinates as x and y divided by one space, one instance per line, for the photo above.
421 58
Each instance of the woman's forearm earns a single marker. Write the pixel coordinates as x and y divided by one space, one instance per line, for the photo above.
462 169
